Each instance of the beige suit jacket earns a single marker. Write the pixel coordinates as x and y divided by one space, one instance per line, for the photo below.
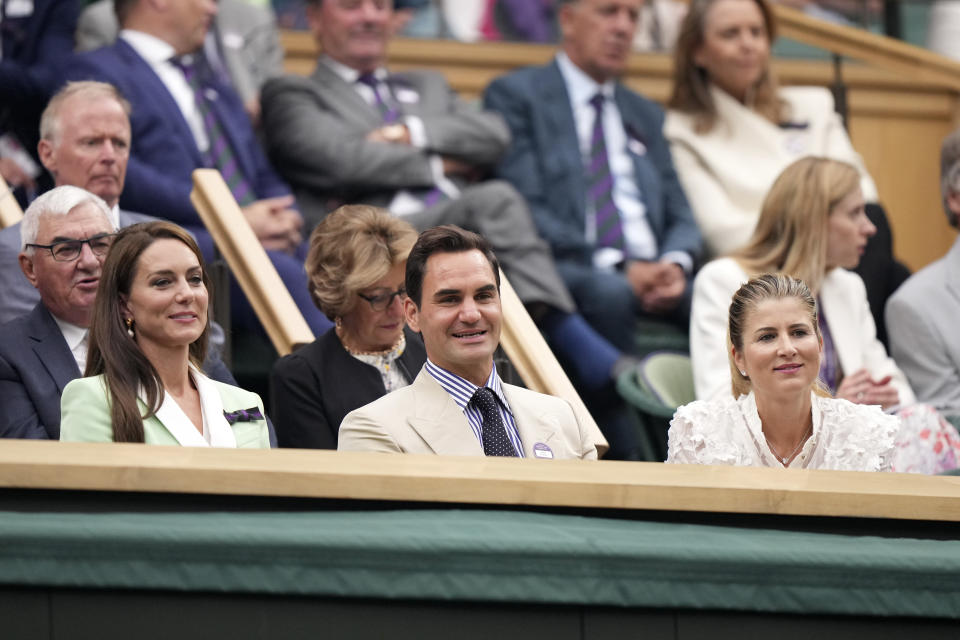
423 418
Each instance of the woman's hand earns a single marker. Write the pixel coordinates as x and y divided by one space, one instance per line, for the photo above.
860 388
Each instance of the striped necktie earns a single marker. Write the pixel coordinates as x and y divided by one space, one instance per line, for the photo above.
220 153
495 440
390 114
609 227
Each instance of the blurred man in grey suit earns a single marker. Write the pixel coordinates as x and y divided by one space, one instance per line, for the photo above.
922 314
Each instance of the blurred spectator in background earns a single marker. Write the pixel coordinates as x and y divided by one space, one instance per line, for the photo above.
35 37
243 46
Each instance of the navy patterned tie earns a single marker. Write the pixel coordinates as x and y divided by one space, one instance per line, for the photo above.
609 227
495 440
220 154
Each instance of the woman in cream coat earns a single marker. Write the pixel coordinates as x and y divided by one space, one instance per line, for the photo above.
147 335
732 130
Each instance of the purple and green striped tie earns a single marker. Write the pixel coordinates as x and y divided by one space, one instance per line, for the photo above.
219 154
609 227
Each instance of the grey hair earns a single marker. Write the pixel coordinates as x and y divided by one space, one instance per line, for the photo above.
90 89
58 202
950 173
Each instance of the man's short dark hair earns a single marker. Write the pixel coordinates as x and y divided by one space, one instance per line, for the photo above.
444 239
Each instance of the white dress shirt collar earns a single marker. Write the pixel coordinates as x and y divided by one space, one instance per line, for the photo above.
580 86
151 48
349 74
76 339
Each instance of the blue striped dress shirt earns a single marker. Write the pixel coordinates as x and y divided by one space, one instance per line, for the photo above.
462 390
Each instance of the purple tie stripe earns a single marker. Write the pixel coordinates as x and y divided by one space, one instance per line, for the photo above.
220 153
607 222
390 114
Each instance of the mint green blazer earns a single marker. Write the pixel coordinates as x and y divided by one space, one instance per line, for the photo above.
85 415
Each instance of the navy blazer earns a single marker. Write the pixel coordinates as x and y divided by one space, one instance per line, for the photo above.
35 365
545 165
164 154
34 47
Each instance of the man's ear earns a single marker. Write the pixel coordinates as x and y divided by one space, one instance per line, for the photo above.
953 202
411 314
47 157
26 265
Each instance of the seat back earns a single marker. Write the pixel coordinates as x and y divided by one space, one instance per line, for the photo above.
668 377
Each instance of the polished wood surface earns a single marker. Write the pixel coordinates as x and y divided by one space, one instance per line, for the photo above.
299 473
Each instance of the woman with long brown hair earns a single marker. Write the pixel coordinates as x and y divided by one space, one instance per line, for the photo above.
148 335
732 129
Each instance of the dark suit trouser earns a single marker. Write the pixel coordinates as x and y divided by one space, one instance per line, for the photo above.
607 301
497 211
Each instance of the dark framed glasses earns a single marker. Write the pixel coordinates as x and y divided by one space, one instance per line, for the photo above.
69 250
384 300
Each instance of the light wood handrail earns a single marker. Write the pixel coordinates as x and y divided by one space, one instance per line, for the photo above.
10 211
301 473
535 362
887 53
249 262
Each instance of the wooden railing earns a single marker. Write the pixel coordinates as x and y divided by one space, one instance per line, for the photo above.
595 485
903 101
249 262
10 211
285 326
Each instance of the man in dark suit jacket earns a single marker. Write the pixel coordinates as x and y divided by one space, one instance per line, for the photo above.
645 265
179 127
35 37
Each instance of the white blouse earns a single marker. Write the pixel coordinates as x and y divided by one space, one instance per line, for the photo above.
727 431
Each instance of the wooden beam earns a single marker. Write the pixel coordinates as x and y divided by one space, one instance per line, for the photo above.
535 362
249 262
10 211
303 473
914 62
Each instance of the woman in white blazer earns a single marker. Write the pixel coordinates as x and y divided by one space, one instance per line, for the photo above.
813 227
148 334
731 129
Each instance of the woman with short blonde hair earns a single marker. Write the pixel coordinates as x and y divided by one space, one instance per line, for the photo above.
356 270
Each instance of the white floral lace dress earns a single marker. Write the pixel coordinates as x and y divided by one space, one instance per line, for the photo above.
727 431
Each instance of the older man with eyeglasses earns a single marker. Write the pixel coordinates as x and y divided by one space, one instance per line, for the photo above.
66 234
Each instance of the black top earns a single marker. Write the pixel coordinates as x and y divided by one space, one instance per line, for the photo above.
314 388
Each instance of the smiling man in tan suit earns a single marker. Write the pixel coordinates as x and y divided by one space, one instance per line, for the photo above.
458 405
